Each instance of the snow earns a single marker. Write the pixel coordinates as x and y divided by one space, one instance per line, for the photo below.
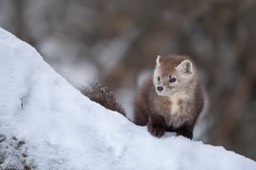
62 129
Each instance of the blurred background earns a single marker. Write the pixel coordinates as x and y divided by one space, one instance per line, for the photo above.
117 43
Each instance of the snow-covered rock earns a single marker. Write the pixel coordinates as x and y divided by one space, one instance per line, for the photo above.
45 123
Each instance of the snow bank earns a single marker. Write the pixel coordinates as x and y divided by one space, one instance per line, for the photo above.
61 129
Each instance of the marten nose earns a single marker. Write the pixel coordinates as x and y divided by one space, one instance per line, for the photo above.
159 88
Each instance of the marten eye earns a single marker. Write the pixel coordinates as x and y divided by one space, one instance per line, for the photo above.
158 78
172 80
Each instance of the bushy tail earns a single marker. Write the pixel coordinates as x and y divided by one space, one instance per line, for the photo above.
103 96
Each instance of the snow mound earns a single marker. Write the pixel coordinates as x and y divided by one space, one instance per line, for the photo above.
59 128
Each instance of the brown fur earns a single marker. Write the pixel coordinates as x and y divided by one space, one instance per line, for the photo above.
155 110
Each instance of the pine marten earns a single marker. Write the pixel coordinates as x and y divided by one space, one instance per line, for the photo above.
171 99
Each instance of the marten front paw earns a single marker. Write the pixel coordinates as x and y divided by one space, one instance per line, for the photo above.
185 133
156 130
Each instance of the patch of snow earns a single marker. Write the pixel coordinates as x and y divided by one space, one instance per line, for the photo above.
126 96
63 129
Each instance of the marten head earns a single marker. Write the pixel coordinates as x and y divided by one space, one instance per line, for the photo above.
173 74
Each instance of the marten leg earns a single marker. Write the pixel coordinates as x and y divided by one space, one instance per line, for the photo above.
140 117
140 112
156 125
185 131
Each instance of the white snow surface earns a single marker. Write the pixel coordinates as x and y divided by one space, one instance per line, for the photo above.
63 129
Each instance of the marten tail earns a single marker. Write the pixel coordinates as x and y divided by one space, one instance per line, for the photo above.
103 96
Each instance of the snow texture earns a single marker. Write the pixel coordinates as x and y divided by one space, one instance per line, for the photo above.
62 129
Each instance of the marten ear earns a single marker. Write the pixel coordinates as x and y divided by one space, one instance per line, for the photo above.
185 67
158 60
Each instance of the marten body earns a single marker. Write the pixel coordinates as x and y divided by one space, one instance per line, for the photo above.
171 99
